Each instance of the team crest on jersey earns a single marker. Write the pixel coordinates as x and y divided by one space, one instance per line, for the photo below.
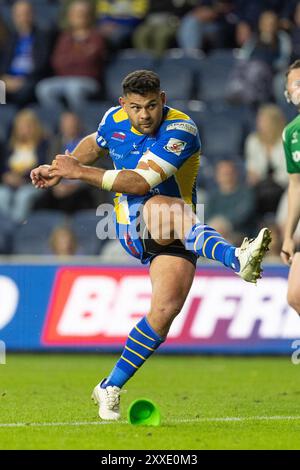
175 146
120 136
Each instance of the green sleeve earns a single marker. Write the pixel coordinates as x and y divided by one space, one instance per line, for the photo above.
292 157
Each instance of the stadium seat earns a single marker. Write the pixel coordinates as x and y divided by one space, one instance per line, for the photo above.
47 13
7 113
143 59
180 88
221 134
7 227
191 62
195 109
243 114
32 237
93 113
224 56
84 223
213 77
121 67
49 117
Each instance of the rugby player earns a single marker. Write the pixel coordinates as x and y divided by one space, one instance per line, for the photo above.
155 150
291 144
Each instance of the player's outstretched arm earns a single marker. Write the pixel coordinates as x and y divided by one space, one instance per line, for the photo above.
125 181
148 174
40 177
86 152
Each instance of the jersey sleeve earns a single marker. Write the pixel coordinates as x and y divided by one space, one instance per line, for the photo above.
103 130
291 165
177 143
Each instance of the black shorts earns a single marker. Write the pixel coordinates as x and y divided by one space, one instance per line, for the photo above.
152 249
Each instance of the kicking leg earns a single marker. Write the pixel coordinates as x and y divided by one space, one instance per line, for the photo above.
171 279
169 218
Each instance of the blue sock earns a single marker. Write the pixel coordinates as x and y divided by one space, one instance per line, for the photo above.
206 242
141 344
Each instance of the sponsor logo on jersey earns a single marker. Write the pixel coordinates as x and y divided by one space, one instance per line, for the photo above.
183 126
115 155
120 136
175 146
295 137
296 156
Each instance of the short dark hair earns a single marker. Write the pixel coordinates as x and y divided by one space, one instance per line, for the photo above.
141 82
293 66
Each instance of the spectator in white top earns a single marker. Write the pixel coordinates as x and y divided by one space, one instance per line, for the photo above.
263 148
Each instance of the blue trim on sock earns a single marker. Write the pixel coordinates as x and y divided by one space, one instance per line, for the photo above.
117 378
230 260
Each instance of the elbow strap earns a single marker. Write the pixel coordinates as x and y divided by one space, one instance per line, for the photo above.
109 178
152 177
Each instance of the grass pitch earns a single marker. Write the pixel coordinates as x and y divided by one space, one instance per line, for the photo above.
206 403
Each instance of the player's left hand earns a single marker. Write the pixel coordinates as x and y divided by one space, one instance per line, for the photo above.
65 166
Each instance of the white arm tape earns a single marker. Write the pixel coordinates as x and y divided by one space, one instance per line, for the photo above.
167 167
109 179
152 177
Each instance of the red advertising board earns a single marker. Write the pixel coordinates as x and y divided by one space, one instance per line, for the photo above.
99 306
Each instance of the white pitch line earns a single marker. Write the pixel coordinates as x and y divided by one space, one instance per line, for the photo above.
225 419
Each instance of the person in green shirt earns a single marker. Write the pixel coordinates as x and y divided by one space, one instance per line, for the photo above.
291 144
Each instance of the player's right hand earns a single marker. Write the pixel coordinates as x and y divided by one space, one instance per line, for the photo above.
41 179
287 251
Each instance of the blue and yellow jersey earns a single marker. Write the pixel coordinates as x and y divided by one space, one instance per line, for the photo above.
176 141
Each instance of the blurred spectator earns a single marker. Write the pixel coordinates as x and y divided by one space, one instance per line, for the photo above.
265 159
243 34
27 149
25 56
294 27
211 21
113 253
287 14
232 199
63 241
269 45
3 39
77 60
249 12
3 35
273 255
69 196
158 30
118 19
263 148
69 134
295 34
224 227
281 217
